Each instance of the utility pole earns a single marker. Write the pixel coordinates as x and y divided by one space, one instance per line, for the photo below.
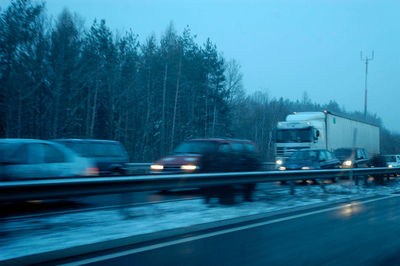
366 60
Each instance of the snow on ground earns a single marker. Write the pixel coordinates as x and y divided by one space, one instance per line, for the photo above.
31 236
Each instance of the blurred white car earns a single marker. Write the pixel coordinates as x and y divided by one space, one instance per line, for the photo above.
35 159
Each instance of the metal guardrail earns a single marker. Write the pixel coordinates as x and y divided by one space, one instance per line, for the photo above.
71 187
138 168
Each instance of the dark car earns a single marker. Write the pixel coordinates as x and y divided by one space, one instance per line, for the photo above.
213 155
210 155
309 159
109 156
353 158
381 161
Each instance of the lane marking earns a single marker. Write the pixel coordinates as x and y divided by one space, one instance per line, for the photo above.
208 235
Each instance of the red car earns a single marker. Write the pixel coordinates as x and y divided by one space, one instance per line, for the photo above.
213 155
210 155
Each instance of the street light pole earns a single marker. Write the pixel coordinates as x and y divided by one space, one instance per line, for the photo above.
366 59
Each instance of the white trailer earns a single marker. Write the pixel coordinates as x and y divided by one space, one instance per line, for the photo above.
323 130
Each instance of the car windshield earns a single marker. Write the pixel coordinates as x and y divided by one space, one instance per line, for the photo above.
343 153
390 158
304 156
298 135
197 147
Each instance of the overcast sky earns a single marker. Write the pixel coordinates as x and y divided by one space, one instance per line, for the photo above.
284 47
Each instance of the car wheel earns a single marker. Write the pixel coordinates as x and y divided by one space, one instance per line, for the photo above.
117 171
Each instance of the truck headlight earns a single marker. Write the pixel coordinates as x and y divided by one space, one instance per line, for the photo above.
279 162
347 163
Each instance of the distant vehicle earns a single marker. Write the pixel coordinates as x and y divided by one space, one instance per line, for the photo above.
310 159
109 156
323 130
353 158
210 155
392 160
385 161
35 159
382 161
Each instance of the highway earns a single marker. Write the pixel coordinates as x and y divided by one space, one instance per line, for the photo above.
364 232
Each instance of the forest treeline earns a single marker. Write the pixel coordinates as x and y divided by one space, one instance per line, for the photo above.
59 79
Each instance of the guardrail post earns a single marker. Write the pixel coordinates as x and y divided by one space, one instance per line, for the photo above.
351 179
292 187
356 179
322 185
366 180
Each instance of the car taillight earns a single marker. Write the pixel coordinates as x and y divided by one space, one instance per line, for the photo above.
92 171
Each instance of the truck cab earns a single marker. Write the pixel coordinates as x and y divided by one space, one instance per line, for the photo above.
299 131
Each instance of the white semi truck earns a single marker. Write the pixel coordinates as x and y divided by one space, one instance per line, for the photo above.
323 130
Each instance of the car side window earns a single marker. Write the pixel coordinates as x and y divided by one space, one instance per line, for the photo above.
238 147
225 148
20 155
36 153
313 155
329 155
360 155
53 155
250 147
322 156
366 155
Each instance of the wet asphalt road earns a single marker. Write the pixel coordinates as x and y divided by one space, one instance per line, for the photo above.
363 233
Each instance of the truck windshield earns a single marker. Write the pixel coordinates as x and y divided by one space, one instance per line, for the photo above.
294 135
304 156
343 153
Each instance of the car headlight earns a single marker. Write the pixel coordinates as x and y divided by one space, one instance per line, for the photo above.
157 167
279 162
347 163
390 166
305 168
189 167
282 168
